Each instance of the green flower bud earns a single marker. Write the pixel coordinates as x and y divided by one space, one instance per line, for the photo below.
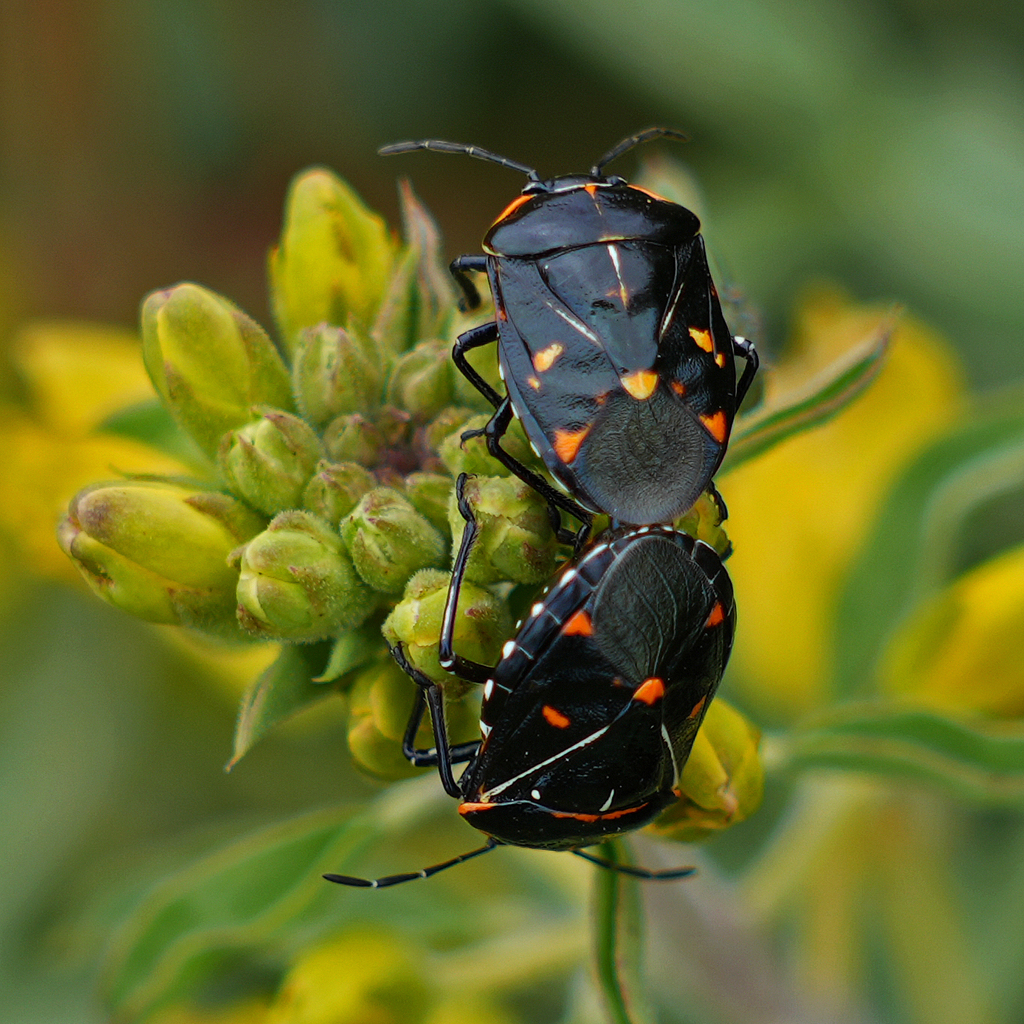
430 494
209 362
334 259
389 540
335 489
421 381
481 627
722 782
297 583
473 457
334 372
159 549
353 438
516 541
444 424
380 702
268 462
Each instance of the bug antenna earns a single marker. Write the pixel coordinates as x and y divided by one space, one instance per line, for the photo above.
644 873
409 876
635 140
440 146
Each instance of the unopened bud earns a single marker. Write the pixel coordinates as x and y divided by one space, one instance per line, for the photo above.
209 362
159 549
389 540
334 372
471 456
353 438
422 380
269 461
430 494
335 489
297 583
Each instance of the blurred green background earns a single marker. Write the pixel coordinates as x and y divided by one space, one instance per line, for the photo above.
880 144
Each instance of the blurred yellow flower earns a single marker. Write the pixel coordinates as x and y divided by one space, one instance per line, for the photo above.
799 513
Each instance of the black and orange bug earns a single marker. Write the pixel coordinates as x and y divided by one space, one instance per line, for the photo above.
589 716
612 344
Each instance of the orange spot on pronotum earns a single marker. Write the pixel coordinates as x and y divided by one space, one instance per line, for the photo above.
470 808
512 207
567 442
702 337
554 717
578 625
590 189
717 615
716 425
650 690
648 192
641 384
543 359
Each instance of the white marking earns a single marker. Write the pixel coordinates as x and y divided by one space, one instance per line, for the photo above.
485 729
613 252
488 689
576 325
518 625
585 742
506 651
501 372
535 793
644 529
604 807
536 610
671 754
569 576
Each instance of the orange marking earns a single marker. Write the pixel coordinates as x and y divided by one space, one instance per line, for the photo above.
591 189
650 690
697 709
703 338
716 425
641 384
602 398
554 717
512 207
648 192
717 615
679 388
567 442
543 359
720 359
579 625
469 808
534 383
599 817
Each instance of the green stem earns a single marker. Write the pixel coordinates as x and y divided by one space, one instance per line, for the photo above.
616 945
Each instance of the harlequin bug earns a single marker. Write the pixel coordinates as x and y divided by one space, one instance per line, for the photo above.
590 715
611 340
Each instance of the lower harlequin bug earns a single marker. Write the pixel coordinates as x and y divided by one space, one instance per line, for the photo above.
591 713
611 340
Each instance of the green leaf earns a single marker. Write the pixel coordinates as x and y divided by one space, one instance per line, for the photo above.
978 760
151 423
352 650
815 403
284 687
911 550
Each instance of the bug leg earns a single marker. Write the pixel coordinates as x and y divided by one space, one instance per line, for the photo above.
645 873
459 266
493 432
719 502
381 883
743 347
485 334
443 756
472 671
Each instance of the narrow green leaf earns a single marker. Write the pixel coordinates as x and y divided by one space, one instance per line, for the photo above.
617 939
151 423
351 650
979 760
909 552
285 687
815 403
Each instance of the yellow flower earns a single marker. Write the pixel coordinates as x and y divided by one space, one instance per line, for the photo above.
799 513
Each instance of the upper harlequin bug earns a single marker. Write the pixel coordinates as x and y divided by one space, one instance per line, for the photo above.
590 715
611 340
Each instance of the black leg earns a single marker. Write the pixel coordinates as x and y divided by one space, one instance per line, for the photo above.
459 267
485 334
493 432
472 671
381 883
442 756
645 873
743 347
